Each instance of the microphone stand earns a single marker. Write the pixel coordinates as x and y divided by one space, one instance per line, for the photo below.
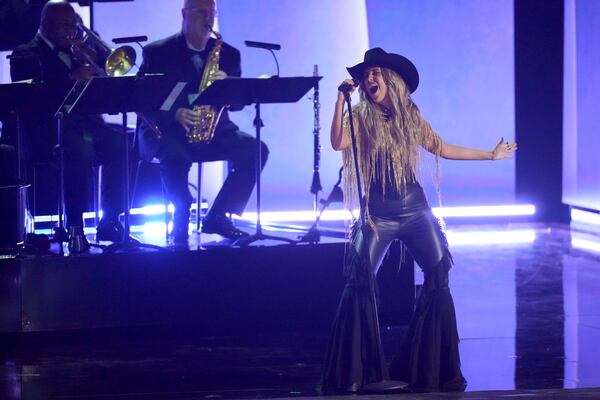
362 220
361 226
60 232
384 386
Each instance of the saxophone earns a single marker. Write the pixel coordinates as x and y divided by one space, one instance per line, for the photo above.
204 131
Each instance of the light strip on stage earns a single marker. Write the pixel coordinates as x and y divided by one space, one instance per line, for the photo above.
585 217
477 238
584 244
156 209
335 215
470 238
296 216
154 229
340 215
485 211
54 218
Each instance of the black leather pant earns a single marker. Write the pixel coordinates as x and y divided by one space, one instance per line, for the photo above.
410 219
428 357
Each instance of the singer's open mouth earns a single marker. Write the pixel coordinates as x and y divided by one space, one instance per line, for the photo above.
373 89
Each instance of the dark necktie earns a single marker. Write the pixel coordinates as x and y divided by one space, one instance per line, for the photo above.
197 59
59 49
64 54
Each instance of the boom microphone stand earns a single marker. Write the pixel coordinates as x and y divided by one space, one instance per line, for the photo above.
313 235
247 91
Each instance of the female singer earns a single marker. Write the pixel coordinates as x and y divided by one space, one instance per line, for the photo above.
389 130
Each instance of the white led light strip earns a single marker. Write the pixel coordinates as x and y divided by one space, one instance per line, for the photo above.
585 217
585 244
482 237
335 215
340 215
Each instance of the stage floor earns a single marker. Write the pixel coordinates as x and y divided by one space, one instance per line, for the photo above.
527 306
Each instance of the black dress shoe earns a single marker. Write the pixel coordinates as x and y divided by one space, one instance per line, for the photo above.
383 387
77 241
109 230
221 225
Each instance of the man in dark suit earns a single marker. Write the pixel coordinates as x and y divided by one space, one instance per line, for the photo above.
87 140
183 57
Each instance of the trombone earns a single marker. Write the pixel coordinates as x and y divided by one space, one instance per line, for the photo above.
118 62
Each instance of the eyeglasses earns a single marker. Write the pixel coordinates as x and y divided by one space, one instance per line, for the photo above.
201 12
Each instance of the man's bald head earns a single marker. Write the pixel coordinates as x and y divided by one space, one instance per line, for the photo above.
197 16
199 3
58 22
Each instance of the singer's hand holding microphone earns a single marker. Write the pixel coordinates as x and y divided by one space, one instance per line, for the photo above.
347 86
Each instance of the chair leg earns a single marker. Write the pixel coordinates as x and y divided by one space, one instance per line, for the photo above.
96 193
199 198
34 180
230 170
166 205
135 182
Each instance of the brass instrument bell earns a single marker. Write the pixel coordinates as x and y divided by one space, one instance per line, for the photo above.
118 62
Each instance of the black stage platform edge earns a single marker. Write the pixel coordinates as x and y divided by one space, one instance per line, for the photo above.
218 290
36 345
545 394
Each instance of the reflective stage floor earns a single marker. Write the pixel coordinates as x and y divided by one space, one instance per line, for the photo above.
528 308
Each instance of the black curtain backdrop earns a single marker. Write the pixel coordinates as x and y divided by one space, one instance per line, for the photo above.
19 21
539 27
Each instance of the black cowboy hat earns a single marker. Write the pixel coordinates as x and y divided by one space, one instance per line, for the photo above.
377 57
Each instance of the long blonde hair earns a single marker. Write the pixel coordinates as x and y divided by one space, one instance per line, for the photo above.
387 141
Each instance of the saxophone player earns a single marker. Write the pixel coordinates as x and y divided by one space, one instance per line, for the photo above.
184 56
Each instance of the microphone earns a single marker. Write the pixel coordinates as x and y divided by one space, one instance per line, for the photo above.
130 39
346 87
262 45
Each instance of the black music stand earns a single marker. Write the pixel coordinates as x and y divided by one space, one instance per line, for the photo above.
16 100
25 98
115 95
31 98
247 91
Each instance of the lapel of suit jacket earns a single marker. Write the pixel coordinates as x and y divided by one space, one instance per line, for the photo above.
53 66
181 53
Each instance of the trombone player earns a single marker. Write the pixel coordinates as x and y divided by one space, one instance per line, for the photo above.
50 57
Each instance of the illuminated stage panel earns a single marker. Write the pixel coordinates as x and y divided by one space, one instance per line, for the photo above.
331 34
581 175
464 51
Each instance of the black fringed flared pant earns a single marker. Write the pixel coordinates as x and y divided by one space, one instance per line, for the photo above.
428 359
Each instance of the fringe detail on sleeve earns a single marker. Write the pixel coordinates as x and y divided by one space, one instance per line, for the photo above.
434 144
